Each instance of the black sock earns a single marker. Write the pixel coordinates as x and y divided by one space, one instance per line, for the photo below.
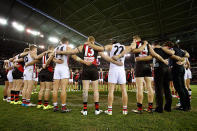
97 106
139 106
150 105
85 106
5 97
12 95
17 96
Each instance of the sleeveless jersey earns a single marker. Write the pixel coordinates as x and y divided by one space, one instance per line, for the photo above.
10 64
62 47
71 75
28 59
89 55
145 52
116 50
20 64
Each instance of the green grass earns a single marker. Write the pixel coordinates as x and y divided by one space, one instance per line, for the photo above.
15 117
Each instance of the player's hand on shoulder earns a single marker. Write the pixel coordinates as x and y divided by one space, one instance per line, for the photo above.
119 63
166 62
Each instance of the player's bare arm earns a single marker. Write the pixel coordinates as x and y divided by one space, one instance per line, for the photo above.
109 59
78 59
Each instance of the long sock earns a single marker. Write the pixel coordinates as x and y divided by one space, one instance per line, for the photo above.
46 103
39 102
97 106
139 106
17 96
109 108
150 105
12 95
124 108
85 106
24 100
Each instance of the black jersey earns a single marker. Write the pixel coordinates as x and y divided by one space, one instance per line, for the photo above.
89 55
178 52
51 65
145 52
163 54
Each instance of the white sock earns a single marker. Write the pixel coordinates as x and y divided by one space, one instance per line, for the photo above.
124 107
55 104
109 108
63 104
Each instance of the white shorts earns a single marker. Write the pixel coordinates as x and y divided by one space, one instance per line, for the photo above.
71 80
152 78
28 74
117 76
134 80
100 80
188 74
61 73
9 76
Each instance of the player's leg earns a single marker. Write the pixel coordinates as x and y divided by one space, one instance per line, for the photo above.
30 84
96 97
124 98
13 91
47 95
149 87
40 94
110 98
64 84
24 93
18 87
139 94
85 96
56 83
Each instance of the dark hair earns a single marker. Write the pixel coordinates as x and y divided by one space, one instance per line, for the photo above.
64 39
168 43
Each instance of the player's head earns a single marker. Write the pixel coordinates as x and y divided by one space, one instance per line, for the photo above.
26 50
70 69
137 38
51 48
101 69
91 39
132 69
76 70
33 48
64 40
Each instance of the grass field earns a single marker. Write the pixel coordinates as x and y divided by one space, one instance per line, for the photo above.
15 117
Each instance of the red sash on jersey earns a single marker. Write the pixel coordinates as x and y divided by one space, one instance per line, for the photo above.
20 68
128 76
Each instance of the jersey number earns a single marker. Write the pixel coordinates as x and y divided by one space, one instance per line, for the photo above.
90 53
118 48
61 49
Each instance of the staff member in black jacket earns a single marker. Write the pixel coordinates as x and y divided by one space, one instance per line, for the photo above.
178 72
161 77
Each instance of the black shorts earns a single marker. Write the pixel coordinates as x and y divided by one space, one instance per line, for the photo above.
45 76
143 69
91 74
129 80
17 74
170 75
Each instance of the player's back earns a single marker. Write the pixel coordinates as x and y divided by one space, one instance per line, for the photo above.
116 50
62 47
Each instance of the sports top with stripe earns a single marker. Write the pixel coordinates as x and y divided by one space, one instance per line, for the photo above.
143 68
89 55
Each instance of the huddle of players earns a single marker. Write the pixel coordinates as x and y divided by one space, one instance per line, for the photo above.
59 77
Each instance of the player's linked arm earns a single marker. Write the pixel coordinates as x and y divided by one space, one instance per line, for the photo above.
157 56
144 58
78 59
70 51
168 51
32 63
109 59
